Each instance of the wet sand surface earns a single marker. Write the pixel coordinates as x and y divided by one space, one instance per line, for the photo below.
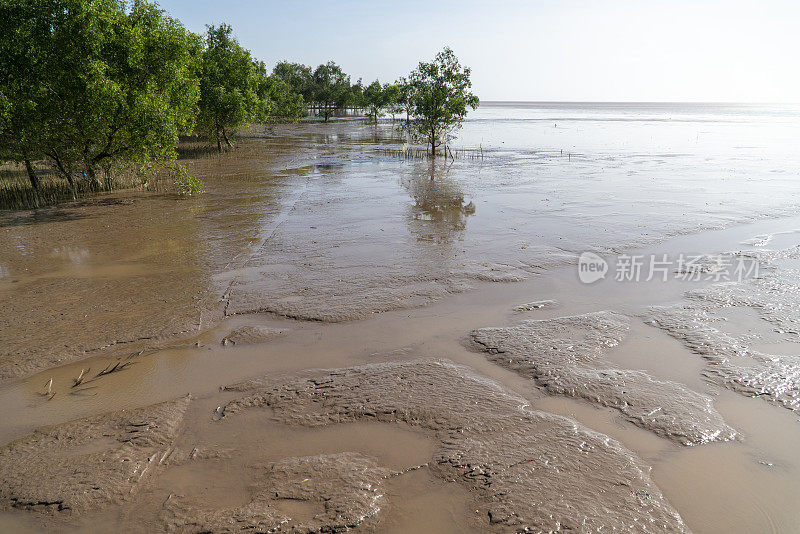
401 354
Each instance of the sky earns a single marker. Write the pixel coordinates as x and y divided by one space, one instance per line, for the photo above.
544 50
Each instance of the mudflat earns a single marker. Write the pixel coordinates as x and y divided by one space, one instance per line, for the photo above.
332 338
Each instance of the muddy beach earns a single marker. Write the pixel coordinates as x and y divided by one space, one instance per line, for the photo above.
334 339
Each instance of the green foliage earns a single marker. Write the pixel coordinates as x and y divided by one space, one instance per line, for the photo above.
236 90
392 95
228 86
187 183
286 104
330 88
357 98
439 95
375 100
93 82
277 99
105 87
297 77
152 173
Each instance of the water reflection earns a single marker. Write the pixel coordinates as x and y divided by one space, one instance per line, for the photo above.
440 208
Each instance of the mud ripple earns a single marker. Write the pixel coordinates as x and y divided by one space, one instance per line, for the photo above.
332 293
731 360
86 464
324 493
531 471
565 356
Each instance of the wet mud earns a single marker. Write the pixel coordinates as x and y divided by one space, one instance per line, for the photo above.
313 222
309 221
249 335
326 493
565 356
530 470
736 350
91 463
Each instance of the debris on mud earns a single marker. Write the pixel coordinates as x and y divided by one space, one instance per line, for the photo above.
536 305
565 356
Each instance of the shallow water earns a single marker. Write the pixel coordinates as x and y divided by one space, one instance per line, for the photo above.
312 221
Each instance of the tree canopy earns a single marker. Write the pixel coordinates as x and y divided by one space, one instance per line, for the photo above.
236 89
297 77
439 94
229 95
87 86
89 83
375 99
331 88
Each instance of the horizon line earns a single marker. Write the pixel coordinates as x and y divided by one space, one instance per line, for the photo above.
717 102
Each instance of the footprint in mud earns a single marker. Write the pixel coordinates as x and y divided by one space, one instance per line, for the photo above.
527 470
565 356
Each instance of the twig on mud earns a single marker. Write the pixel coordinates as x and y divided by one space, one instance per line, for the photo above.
78 381
48 387
135 354
119 366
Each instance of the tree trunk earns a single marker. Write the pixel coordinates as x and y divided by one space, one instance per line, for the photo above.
66 172
31 174
433 146
108 178
219 143
225 136
94 182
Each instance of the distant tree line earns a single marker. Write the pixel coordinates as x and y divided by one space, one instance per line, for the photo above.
88 86
435 96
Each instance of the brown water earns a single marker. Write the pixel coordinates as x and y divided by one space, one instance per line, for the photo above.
363 259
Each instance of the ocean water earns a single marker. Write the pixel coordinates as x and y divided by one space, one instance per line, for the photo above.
669 167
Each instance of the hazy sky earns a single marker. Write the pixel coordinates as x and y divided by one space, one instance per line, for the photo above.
596 50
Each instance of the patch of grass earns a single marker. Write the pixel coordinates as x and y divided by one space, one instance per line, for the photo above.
188 184
192 148
16 192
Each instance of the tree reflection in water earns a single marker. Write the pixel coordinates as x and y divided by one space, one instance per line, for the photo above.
440 208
